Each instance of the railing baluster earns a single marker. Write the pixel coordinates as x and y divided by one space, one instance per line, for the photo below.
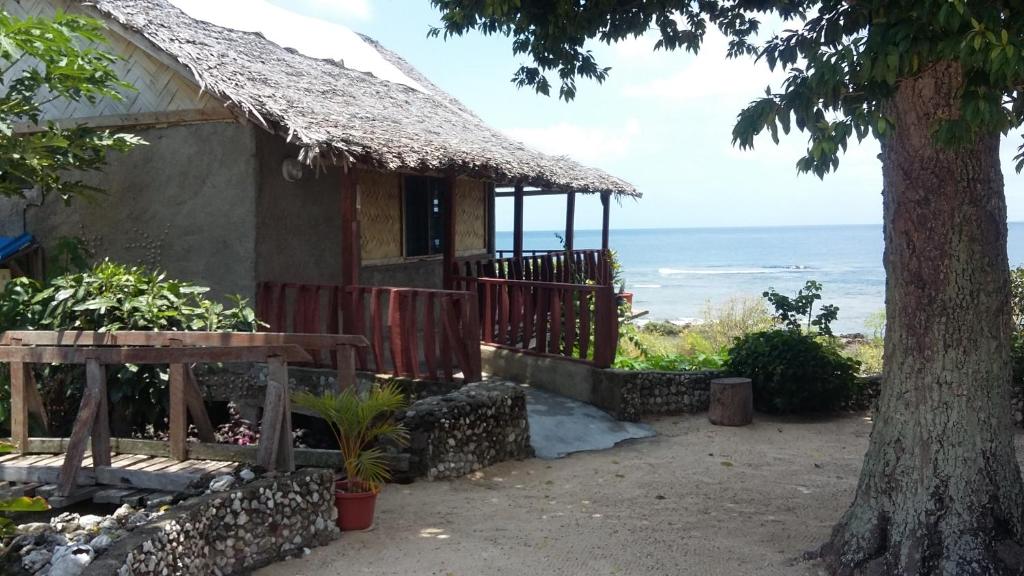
570 322
377 328
556 321
409 333
429 343
584 324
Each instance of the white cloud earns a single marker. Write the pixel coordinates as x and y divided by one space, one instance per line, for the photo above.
585 144
705 76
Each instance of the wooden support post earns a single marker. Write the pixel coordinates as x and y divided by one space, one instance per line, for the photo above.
35 401
517 224
491 229
178 414
346 367
448 220
351 241
97 373
83 427
275 448
20 376
605 220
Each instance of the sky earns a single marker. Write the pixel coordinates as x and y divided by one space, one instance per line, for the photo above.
662 121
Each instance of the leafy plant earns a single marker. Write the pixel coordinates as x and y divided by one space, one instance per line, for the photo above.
796 312
59 60
19 504
111 297
359 421
793 372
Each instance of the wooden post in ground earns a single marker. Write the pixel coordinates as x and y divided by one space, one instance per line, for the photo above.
20 375
97 373
197 408
275 448
177 412
732 402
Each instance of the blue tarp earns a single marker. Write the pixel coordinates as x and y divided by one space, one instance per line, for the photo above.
11 245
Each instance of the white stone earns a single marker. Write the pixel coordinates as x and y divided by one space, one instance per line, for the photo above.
36 559
222 483
247 475
101 543
123 512
90 521
33 528
71 560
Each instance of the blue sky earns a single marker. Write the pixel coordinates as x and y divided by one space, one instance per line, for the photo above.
662 121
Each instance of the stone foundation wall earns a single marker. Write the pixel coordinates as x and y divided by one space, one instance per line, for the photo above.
230 532
457 433
630 395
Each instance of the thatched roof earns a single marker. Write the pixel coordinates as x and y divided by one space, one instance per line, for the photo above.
337 114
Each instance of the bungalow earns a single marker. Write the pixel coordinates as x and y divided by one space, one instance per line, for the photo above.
311 175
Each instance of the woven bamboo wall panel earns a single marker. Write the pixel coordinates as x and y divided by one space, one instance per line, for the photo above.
158 88
470 215
380 214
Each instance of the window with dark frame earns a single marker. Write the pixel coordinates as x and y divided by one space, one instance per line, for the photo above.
425 202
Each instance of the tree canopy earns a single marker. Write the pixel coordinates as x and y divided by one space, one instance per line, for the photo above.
44 60
843 58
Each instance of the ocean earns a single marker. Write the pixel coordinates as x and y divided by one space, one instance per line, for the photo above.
675 273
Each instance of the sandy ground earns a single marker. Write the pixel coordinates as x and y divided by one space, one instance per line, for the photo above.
697 499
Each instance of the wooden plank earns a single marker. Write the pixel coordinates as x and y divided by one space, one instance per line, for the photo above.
19 405
273 416
556 322
584 325
163 480
100 436
377 329
570 323
81 494
395 331
471 338
87 410
188 339
208 354
197 408
409 334
429 342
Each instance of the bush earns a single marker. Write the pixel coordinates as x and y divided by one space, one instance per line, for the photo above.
793 372
114 297
726 321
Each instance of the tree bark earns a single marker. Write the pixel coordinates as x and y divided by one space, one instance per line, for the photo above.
940 492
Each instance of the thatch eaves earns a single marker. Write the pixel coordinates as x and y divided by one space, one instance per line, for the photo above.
338 114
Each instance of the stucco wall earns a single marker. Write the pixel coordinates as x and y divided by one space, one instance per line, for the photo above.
183 203
298 226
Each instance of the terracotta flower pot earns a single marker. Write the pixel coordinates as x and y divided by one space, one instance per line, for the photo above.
355 509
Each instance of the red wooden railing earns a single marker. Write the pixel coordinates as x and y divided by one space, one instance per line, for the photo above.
578 321
414 333
579 267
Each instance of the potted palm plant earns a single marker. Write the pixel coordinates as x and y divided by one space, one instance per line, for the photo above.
359 421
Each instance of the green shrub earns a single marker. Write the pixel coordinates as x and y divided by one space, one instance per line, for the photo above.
114 297
671 362
793 372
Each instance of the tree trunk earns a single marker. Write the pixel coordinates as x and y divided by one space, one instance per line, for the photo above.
940 492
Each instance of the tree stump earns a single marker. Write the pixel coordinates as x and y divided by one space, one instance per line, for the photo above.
732 402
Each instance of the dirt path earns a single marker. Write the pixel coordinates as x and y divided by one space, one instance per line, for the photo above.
697 499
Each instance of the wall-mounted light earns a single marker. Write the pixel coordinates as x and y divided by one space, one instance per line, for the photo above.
292 170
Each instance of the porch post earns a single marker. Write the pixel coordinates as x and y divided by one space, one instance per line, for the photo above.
570 220
491 235
351 242
605 220
448 220
570 231
517 225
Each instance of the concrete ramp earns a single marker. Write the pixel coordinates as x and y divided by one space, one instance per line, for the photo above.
560 426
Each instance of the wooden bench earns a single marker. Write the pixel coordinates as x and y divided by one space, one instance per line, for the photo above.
178 350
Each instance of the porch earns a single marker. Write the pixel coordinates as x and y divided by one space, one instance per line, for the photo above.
554 303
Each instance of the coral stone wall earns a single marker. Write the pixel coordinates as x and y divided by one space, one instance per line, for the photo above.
457 433
631 395
230 532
